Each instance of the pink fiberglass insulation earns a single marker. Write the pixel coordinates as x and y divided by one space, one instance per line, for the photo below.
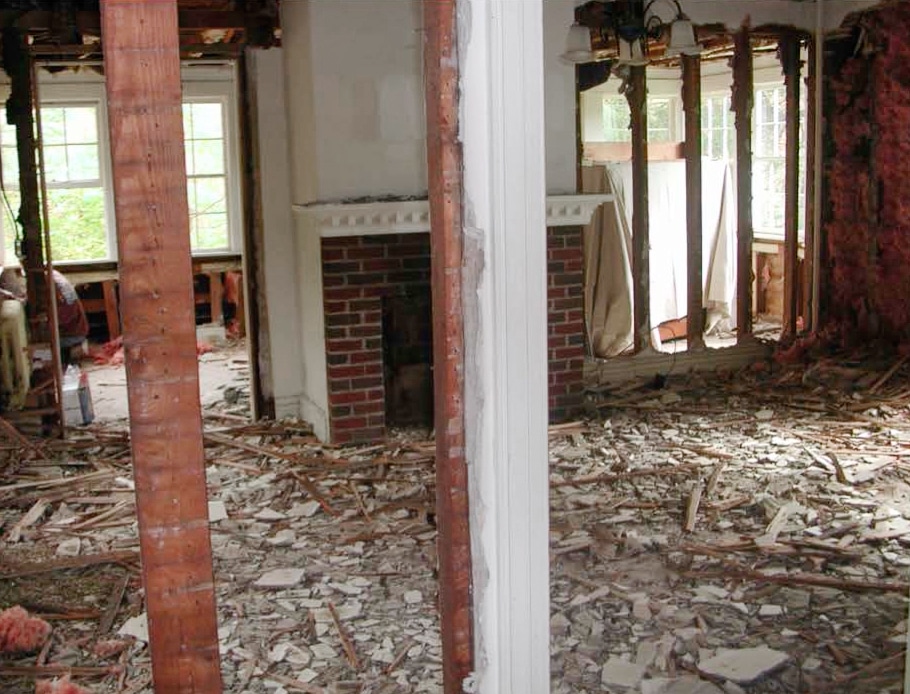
20 633
868 178
62 686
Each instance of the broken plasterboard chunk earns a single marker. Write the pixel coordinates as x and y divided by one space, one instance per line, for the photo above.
217 511
621 673
280 578
137 627
744 665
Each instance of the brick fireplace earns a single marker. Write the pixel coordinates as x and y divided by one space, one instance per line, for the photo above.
375 264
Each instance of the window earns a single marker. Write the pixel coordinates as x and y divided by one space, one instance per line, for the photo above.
718 132
662 116
74 179
769 151
77 165
206 171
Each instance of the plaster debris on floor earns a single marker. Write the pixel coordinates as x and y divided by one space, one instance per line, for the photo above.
709 534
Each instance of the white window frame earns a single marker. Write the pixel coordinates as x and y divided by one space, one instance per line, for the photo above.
201 83
218 83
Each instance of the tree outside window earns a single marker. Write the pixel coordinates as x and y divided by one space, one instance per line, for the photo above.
661 119
75 190
206 170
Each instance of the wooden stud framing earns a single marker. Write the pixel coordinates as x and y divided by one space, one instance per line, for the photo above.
695 316
142 67
789 57
641 268
256 304
809 299
743 85
445 192
34 250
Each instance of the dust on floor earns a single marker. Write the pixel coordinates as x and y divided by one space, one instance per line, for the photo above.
724 535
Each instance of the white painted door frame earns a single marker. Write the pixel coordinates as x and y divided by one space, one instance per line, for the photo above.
502 123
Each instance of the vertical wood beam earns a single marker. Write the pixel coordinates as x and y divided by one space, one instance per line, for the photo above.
142 67
789 58
809 299
641 267
743 97
258 334
20 113
444 167
695 316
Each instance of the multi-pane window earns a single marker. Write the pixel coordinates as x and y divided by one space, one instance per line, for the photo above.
661 119
73 175
769 146
75 150
206 170
718 133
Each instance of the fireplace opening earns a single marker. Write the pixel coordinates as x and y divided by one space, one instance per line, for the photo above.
407 338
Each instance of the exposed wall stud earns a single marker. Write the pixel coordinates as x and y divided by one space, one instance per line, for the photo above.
142 69
641 272
743 84
695 322
445 192
789 57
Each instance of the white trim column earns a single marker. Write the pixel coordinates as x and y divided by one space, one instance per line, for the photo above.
505 308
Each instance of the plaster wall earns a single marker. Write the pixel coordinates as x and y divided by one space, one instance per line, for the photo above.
279 245
559 98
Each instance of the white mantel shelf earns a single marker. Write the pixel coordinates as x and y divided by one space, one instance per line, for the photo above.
413 216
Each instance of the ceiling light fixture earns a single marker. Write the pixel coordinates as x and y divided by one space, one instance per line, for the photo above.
633 23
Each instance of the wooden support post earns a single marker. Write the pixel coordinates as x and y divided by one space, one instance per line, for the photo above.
641 268
254 285
142 67
20 113
444 163
695 330
789 57
111 309
743 85
216 297
808 292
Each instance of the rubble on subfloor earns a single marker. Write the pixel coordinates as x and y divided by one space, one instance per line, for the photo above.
714 536
735 534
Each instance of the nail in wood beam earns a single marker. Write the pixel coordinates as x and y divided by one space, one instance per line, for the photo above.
142 69
789 57
641 268
445 192
695 320
743 85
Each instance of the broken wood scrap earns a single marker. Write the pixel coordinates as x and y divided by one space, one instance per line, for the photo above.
19 438
732 571
714 478
313 491
113 606
346 643
32 516
885 377
892 662
18 570
53 670
76 481
667 471
692 508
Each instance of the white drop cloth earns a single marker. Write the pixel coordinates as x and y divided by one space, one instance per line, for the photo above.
608 250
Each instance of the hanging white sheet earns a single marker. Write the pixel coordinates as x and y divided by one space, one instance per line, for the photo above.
608 250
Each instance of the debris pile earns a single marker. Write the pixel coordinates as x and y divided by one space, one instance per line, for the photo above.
714 536
735 534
